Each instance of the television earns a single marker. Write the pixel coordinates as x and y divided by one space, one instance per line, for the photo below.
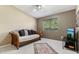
71 43
70 33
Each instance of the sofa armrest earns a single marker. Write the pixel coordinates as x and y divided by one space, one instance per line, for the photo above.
14 35
15 39
41 34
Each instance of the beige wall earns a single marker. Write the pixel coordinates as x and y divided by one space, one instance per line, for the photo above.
65 19
12 19
77 9
77 14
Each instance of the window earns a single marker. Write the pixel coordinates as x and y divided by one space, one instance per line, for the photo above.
50 24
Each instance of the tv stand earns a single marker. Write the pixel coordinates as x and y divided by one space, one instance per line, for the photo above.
71 44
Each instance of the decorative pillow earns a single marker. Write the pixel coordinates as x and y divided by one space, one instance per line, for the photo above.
21 33
29 32
26 32
33 32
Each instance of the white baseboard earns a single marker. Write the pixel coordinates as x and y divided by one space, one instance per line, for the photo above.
5 45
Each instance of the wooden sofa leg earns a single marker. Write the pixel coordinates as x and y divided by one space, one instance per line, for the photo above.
17 45
39 38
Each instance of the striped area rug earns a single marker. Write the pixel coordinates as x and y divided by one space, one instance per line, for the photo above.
43 48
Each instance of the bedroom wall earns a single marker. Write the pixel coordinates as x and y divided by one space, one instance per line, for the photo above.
12 19
65 20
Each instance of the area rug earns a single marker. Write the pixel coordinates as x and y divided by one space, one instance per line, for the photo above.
43 48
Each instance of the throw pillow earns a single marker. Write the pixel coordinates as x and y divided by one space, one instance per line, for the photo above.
33 32
21 33
26 32
29 32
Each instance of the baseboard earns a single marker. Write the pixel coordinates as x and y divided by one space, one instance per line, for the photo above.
4 45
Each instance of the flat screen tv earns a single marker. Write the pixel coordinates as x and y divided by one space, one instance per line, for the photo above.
70 33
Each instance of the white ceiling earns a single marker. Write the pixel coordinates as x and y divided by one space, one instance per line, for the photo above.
46 10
